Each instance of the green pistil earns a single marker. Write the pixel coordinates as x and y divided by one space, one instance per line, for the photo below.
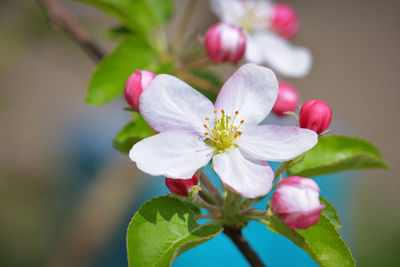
224 135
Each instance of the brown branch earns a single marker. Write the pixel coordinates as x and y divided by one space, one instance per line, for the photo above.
61 18
241 243
183 24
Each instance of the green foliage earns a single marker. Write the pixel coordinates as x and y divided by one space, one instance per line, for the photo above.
338 153
138 15
331 213
162 229
111 74
210 77
118 32
321 241
132 133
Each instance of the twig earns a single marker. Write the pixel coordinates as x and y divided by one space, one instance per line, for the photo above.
61 18
281 169
241 243
196 81
183 25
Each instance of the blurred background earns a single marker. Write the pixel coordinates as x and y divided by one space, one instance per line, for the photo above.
67 196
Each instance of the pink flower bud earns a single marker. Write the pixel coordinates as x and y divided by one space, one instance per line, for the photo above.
288 98
181 187
315 115
285 21
225 42
135 85
296 202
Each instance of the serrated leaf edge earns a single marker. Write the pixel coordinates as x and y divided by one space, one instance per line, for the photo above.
176 253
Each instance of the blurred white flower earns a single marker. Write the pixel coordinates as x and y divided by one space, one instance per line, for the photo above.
264 44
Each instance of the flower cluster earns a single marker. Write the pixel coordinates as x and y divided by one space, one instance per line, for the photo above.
267 27
192 131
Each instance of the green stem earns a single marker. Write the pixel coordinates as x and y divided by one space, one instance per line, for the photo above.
199 201
231 208
212 189
284 166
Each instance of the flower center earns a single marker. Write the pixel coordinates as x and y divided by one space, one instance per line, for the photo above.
257 16
223 136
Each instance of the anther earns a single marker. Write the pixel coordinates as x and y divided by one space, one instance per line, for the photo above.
207 118
205 133
236 112
205 126
222 111
239 132
241 121
215 111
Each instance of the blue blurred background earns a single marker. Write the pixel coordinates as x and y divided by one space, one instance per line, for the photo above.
66 196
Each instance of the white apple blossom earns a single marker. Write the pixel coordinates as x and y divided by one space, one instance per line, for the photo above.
263 45
192 131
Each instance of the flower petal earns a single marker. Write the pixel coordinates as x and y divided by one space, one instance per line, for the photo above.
248 177
228 11
278 53
276 143
170 104
173 154
252 90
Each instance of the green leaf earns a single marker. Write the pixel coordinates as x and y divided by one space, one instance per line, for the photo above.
138 15
321 241
210 77
338 153
119 32
132 133
162 229
111 74
331 213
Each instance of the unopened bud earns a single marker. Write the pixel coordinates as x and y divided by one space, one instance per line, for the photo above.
285 21
315 115
181 187
296 202
288 98
135 85
225 43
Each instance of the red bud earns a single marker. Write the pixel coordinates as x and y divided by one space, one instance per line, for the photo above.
181 187
285 21
315 115
225 43
288 98
135 85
